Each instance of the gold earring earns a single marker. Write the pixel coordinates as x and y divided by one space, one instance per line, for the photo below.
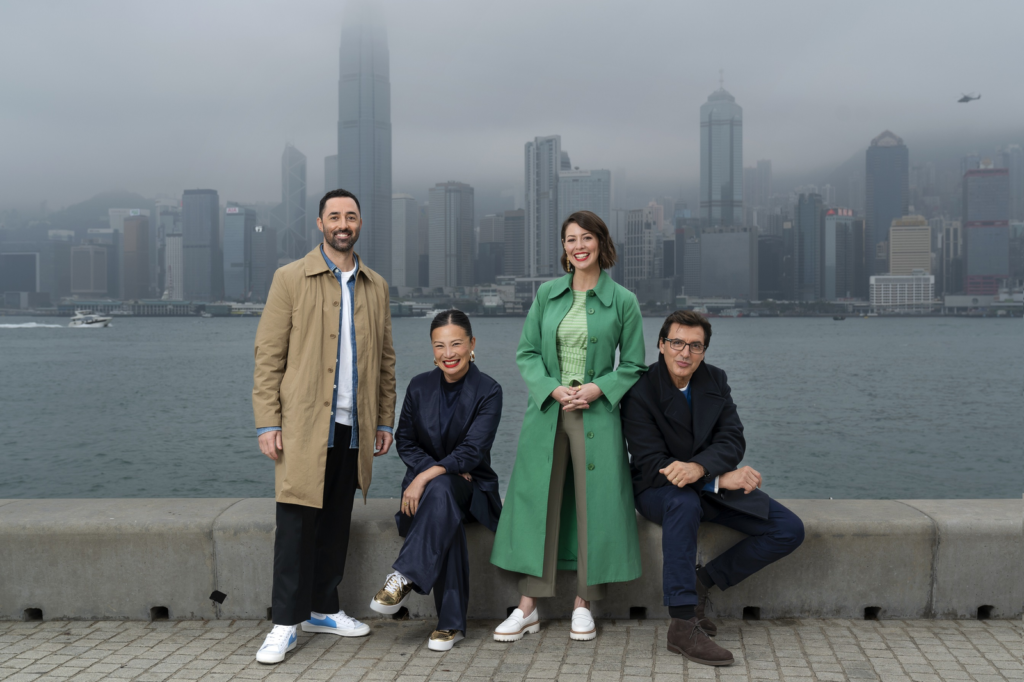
472 356
435 362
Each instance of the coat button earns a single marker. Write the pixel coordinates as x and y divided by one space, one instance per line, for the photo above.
590 467
327 403
330 370
590 434
591 293
590 311
335 304
334 336
593 339
591 372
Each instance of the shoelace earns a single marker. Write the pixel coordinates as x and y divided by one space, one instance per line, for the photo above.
708 605
394 583
279 635
697 628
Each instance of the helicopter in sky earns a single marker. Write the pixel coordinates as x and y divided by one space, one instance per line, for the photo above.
968 98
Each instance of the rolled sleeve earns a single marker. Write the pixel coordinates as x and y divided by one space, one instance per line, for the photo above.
266 429
386 429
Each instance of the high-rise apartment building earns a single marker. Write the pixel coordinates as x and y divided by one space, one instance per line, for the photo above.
1013 161
239 224
728 263
543 158
364 127
584 190
986 229
638 262
721 160
135 269
405 241
886 185
514 251
836 235
200 228
809 247
910 245
451 235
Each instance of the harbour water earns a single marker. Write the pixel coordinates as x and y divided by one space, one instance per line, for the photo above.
863 408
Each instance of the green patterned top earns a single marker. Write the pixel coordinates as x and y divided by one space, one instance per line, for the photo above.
572 340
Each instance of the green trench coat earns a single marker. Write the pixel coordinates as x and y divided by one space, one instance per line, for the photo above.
613 550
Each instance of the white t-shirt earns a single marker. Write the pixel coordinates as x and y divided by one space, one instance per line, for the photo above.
343 407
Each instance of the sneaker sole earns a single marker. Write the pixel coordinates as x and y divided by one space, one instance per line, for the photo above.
357 632
278 659
687 656
516 636
443 646
583 636
388 610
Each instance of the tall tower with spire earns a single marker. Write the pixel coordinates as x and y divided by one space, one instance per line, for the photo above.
721 159
364 127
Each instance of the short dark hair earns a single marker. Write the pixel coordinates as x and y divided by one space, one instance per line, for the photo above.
452 316
592 223
686 318
338 194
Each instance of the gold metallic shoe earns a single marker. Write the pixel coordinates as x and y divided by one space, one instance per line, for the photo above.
444 640
391 597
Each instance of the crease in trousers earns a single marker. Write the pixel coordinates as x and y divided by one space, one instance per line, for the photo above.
434 556
310 545
570 444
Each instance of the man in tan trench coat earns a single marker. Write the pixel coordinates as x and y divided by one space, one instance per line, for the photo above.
324 400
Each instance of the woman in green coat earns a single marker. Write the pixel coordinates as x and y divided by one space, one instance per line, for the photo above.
582 520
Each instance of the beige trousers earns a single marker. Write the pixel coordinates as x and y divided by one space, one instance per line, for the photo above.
569 442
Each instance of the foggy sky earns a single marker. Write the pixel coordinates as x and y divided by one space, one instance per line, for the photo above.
157 97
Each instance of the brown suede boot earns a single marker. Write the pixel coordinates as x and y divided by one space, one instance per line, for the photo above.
703 604
686 637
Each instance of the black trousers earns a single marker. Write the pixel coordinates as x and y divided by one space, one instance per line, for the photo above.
435 556
310 544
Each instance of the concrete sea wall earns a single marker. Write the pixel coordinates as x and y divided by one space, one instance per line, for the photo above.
143 558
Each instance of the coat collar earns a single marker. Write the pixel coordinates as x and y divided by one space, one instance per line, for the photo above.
313 263
604 289
706 398
445 443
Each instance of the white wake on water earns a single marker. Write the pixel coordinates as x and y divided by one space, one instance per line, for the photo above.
31 325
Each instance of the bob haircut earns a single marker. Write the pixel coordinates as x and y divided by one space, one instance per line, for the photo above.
686 318
591 223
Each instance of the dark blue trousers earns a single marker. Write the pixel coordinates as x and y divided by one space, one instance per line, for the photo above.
678 512
435 556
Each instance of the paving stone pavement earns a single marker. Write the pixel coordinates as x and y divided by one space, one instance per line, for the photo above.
801 650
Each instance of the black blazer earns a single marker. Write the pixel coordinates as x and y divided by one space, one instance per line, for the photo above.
660 428
467 448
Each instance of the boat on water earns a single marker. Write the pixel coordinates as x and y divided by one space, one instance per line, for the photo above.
839 318
87 318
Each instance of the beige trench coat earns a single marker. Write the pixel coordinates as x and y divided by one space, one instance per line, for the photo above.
293 383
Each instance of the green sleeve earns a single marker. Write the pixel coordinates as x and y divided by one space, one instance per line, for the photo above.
632 356
528 356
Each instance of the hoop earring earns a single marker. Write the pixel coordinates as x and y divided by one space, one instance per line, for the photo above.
472 356
435 363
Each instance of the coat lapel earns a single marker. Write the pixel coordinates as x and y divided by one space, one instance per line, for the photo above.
707 404
433 425
673 402
463 410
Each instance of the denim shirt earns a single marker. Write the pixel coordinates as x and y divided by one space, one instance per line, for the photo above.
349 297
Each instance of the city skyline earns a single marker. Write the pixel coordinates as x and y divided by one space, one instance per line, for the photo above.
803 130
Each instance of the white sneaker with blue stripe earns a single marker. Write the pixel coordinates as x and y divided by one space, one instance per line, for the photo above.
280 641
335 624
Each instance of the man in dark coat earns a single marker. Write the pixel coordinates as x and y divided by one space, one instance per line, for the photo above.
686 443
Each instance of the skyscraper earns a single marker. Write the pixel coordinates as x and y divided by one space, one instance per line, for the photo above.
490 250
543 163
200 228
721 160
910 246
174 267
263 250
1013 161
514 253
239 224
638 261
135 245
451 235
405 223
330 173
887 186
584 190
364 127
986 229
728 263
289 217
809 247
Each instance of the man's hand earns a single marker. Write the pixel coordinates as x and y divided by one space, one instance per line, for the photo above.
744 478
585 395
382 443
271 444
683 473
